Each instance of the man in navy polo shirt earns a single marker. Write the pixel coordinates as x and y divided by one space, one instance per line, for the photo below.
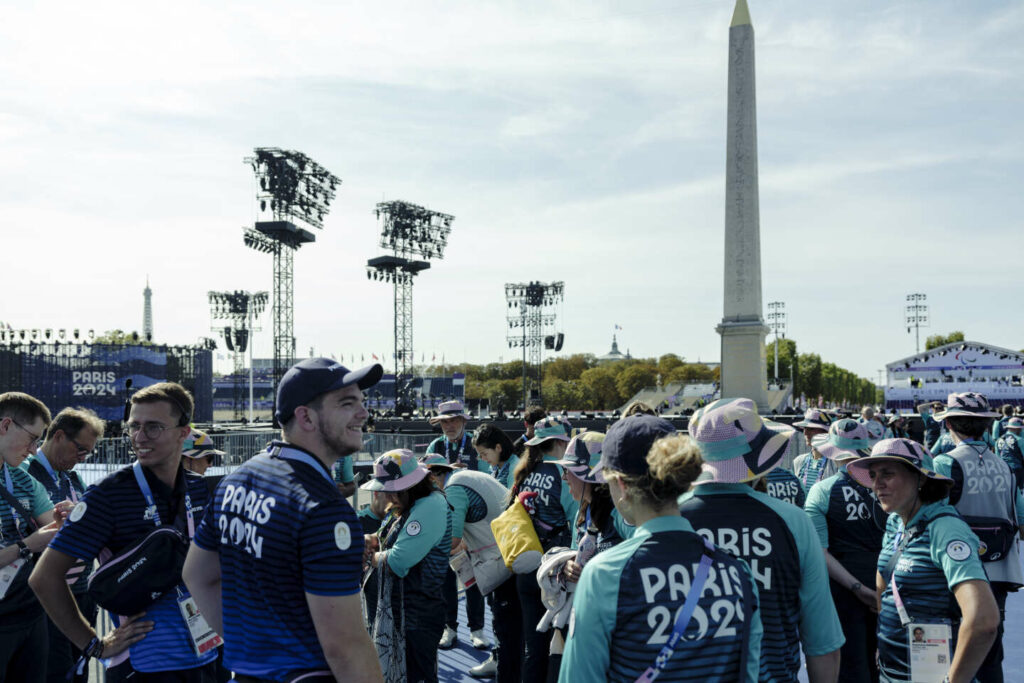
113 516
277 561
70 439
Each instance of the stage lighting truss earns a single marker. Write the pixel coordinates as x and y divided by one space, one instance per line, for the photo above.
291 185
411 230
239 309
260 242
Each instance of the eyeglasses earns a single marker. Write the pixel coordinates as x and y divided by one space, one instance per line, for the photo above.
152 430
37 438
83 452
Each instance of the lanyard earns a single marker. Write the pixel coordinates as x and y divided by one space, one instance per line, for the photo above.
689 606
301 456
58 479
458 453
148 495
9 485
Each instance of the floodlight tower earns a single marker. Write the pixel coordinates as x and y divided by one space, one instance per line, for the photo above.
777 322
238 310
533 316
292 187
407 230
917 315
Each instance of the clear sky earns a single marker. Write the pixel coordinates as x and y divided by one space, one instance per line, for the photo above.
575 141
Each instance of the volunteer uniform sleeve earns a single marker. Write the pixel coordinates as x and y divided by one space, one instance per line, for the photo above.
207 535
623 529
595 603
820 630
569 506
422 531
816 507
331 550
459 502
954 547
1019 505
88 527
343 470
753 673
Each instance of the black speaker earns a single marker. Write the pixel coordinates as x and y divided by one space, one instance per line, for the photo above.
559 339
228 340
549 342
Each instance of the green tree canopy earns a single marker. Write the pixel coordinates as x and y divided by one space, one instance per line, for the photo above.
936 340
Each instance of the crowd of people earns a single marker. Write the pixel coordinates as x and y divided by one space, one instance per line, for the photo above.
630 555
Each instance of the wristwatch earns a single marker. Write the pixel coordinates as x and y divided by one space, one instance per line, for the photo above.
23 551
855 587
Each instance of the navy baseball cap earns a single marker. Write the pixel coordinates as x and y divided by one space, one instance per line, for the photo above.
312 377
629 440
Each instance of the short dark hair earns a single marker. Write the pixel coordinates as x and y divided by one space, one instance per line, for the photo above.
168 392
971 427
71 421
21 407
533 414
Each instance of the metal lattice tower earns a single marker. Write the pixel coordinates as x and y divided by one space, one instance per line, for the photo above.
237 312
407 230
147 312
292 187
917 315
529 321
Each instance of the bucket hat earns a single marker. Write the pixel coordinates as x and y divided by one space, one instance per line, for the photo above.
449 410
737 445
199 445
894 450
876 431
967 404
395 471
846 439
1014 423
583 457
435 460
815 419
551 427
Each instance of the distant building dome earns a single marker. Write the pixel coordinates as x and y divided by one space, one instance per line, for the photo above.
614 354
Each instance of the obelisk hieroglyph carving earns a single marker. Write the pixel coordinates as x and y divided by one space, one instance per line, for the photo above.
742 328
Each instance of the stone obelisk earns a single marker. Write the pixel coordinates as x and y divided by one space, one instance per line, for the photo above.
742 328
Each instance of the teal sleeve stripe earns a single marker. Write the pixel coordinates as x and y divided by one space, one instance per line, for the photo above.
427 521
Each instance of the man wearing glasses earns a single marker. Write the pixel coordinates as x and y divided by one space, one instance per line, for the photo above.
70 439
155 646
25 529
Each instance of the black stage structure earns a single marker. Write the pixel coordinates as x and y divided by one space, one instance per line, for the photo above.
531 317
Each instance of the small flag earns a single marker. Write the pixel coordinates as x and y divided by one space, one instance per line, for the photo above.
375 356
362 358
433 358
618 327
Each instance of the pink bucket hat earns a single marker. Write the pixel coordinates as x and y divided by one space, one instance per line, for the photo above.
395 471
846 438
737 445
449 410
898 450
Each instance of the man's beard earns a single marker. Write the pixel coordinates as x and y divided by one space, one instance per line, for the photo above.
336 444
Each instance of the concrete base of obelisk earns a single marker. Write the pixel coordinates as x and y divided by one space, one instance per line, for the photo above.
743 361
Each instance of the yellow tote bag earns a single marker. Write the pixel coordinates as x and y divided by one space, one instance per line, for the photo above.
517 540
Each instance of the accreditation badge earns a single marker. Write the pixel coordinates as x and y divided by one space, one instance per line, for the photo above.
930 650
202 636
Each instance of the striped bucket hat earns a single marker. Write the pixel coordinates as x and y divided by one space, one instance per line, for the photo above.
876 431
895 450
846 439
737 445
967 404
1014 423
395 471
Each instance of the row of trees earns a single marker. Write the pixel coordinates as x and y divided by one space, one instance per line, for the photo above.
578 382
813 377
